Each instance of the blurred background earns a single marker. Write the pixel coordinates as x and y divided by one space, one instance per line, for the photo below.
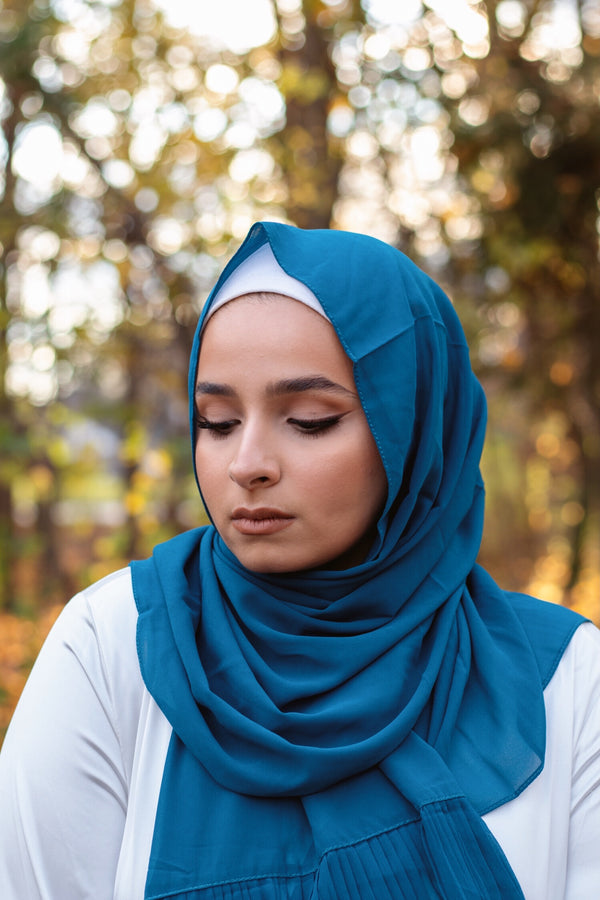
139 140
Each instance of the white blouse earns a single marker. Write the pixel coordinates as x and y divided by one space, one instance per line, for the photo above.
82 764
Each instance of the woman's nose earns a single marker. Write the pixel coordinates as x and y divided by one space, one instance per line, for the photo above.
254 463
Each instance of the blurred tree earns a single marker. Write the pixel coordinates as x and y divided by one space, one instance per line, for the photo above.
303 148
527 150
532 160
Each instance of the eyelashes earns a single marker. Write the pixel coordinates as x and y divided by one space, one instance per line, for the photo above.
217 429
316 427
306 427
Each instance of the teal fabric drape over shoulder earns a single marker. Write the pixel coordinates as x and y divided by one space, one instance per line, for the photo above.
340 734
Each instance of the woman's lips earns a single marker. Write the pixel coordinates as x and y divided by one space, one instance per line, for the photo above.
260 521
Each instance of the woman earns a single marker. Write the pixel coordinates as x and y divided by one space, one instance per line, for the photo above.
320 695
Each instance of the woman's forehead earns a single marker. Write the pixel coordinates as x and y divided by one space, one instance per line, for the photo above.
271 340
265 317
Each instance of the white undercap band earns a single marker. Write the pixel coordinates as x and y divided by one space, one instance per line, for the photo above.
261 272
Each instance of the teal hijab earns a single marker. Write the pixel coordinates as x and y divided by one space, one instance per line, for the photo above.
340 734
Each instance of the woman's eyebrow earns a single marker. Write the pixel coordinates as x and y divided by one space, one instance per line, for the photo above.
214 388
307 383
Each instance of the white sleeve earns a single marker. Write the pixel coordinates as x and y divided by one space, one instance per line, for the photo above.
64 769
551 832
583 864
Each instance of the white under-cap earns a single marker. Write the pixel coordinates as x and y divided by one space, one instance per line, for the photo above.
260 272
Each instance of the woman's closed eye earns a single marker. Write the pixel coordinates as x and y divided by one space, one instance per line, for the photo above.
218 428
316 427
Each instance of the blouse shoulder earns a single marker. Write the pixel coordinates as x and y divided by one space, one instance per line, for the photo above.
67 760
97 628
108 613
550 832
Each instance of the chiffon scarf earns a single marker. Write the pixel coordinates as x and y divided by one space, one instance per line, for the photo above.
340 734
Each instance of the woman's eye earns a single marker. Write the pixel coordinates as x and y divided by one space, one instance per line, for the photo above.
316 426
218 429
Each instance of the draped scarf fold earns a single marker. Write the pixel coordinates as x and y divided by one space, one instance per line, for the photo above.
340 734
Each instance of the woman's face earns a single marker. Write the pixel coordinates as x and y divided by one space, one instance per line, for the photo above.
286 462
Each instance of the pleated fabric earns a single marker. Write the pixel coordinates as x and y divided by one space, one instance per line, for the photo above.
340 734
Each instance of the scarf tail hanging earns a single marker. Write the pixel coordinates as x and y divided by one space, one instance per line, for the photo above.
463 862
464 856
446 853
